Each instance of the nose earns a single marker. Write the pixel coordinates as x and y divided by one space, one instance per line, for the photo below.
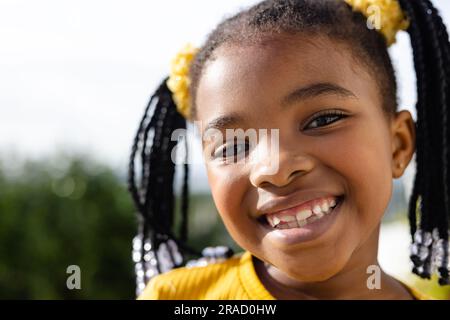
291 165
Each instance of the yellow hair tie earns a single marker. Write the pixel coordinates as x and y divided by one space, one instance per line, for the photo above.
179 81
385 15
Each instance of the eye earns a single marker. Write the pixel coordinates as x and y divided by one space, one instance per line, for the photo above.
325 118
232 150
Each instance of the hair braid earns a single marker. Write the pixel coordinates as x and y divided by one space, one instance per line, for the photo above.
430 44
157 249
421 135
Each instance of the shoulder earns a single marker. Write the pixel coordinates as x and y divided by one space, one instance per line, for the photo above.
194 281
415 293
418 295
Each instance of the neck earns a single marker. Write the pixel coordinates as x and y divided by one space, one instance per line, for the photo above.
350 283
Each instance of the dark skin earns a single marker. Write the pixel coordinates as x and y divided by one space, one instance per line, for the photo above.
357 155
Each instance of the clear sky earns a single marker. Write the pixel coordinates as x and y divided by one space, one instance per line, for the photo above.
76 75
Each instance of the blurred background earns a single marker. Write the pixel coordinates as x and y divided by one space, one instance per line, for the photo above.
75 77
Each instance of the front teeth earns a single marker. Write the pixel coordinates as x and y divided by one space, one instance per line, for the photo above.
317 209
304 214
303 217
288 219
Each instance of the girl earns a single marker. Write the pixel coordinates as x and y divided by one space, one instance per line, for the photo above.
320 73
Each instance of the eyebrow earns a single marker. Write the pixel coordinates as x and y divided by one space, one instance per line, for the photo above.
303 93
315 90
223 122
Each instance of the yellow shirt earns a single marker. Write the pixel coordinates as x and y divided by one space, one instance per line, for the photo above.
232 279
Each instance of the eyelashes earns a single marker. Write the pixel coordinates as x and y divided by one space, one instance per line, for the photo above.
232 150
241 148
323 119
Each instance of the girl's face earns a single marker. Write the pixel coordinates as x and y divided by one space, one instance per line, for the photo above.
335 143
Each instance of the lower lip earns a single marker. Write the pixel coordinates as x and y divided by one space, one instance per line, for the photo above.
292 236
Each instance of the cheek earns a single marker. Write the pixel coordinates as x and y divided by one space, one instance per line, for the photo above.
363 160
228 187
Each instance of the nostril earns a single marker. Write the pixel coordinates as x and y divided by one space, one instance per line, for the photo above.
296 174
264 184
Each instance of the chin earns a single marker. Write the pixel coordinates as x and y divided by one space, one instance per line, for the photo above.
315 270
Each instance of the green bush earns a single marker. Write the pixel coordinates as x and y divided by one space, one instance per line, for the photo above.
51 219
72 211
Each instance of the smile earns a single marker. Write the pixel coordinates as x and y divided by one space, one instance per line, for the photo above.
302 215
302 223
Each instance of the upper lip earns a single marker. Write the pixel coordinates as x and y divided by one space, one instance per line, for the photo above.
293 200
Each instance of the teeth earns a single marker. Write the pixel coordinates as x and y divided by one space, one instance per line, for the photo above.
303 217
276 220
332 203
287 218
293 224
270 220
317 209
304 214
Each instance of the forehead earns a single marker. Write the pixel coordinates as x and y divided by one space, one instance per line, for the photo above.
260 74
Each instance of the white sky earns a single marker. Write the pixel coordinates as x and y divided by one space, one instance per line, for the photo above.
76 75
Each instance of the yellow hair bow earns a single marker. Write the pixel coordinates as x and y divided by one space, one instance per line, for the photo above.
385 15
179 81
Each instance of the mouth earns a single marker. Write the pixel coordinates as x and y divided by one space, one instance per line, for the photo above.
300 216
301 223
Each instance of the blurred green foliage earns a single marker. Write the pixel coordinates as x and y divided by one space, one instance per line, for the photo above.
69 210
50 219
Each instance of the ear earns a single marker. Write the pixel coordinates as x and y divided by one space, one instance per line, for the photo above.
403 134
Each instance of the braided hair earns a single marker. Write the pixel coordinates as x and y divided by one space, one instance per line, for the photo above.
157 248
429 204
